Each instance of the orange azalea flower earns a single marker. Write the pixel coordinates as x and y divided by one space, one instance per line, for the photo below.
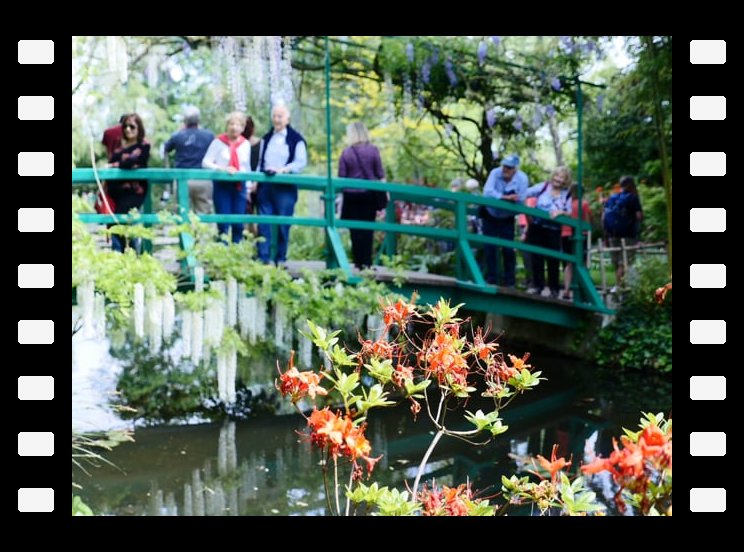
380 348
520 363
299 384
596 466
480 347
450 501
338 433
504 371
415 408
661 293
356 443
653 436
555 465
402 374
398 313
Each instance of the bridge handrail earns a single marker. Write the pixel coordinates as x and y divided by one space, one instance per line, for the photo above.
454 201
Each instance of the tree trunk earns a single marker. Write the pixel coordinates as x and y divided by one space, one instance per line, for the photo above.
557 146
666 176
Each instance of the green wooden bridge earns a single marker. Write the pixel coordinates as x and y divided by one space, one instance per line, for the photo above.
467 286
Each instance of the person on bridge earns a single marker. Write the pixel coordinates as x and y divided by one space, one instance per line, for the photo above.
112 137
191 144
508 184
250 134
283 151
230 152
567 245
621 222
133 152
360 160
552 197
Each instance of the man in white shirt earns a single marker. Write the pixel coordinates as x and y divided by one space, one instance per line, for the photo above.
283 151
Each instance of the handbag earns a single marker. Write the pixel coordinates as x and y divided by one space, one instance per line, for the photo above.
380 198
104 205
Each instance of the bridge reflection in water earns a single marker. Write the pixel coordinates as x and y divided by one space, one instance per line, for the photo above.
264 467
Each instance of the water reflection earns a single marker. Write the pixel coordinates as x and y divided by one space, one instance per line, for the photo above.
263 467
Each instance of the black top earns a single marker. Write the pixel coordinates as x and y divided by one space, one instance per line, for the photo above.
129 194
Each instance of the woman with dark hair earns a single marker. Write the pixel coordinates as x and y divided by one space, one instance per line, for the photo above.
250 134
360 160
132 153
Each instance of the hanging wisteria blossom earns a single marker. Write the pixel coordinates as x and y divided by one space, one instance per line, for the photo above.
496 40
518 123
600 102
537 118
259 64
491 118
409 52
482 52
449 69
555 83
550 111
426 71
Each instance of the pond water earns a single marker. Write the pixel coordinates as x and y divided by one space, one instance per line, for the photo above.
262 465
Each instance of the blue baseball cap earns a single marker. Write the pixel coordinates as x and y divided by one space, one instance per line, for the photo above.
510 161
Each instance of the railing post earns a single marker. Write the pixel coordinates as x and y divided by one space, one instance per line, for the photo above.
147 209
464 252
578 235
329 197
182 189
390 244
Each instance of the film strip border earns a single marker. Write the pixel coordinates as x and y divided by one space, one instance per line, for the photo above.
37 247
707 296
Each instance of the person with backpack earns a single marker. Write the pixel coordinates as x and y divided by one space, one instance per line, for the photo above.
621 220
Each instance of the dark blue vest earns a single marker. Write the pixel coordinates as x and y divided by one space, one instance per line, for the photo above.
293 138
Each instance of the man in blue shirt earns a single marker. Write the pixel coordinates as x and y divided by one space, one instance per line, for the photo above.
191 143
508 184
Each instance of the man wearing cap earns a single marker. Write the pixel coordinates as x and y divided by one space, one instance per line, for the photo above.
191 143
507 183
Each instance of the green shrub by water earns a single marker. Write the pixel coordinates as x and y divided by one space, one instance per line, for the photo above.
640 337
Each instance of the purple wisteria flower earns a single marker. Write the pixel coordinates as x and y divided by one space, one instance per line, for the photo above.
496 40
449 69
518 124
537 118
491 118
409 52
555 84
550 111
600 102
448 129
482 52
567 43
426 71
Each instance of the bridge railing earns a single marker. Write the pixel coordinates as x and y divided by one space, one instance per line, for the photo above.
469 274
